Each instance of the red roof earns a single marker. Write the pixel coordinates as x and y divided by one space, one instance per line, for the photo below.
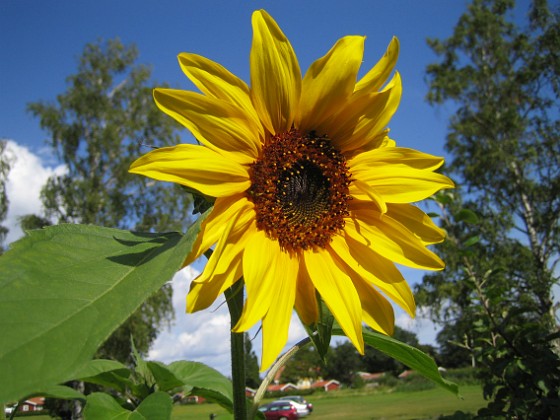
35 401
370 376
405 374
280 387
329 384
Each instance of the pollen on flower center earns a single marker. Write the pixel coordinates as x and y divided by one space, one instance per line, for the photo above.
300 190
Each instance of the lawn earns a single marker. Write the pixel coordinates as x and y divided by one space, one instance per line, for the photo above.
427 404
359 405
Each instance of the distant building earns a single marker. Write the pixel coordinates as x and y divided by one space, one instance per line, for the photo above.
31 404
371 377
328 385
405 374
281 387
250 392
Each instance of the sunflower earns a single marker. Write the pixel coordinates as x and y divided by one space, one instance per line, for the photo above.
312 198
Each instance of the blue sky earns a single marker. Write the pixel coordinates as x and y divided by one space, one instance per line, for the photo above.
41 40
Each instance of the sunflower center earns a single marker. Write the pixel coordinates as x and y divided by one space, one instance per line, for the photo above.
300 190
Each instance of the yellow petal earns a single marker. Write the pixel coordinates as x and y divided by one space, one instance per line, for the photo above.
337 290
195 167
374 110
203 293
329 82
266 269
276 322
275 74
212 228
398 175
375 269
219 125
306 298
376 77
358 188
401 184
216 81
377 312
394 156
222 269
390 239
417 222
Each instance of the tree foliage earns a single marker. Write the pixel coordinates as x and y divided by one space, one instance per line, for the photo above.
306 363
252 377
501 75
97 127
343 361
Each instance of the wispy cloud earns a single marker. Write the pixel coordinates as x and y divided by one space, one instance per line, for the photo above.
28 174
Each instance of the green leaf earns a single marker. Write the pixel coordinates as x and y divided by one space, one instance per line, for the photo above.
108 373
467 216
321 333
65 288
406 354
205 382
157 406
164 378
444 197
145 380
101 406
61 392
471 241
99 366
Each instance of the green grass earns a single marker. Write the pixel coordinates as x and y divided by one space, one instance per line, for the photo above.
361 405
356 405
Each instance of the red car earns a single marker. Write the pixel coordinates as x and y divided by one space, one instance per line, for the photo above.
279 410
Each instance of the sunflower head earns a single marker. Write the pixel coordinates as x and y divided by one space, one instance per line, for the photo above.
312 198
300 190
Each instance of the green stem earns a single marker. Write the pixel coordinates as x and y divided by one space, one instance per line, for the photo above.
234 298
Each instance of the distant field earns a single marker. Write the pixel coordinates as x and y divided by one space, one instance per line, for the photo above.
356 405
429 404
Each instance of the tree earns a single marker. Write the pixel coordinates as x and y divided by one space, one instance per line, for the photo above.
97 127
343 363
252 378
455 344
4 202
374 361
503 80
306 363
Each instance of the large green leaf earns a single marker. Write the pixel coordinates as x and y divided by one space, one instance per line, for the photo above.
204 381
64 289
61 392
406 354
108 373
100 406
164 378
157 406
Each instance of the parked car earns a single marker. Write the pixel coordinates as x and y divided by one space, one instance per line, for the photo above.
299 399
280 410
302 409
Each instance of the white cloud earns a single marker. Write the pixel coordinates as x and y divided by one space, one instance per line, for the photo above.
200 337
422 325
27 175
